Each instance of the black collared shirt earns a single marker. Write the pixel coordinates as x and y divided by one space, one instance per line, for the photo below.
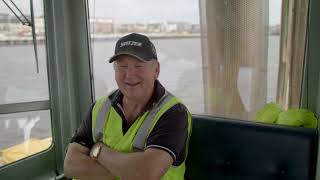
169 134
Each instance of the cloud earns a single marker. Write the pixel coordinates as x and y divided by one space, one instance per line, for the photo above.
143 10
147 10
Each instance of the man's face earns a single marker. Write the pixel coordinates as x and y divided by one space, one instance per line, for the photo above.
135 78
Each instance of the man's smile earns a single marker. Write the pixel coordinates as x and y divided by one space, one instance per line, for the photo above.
132 84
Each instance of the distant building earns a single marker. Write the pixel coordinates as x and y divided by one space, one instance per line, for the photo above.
141 27
7 18
124 28
4 18
184 28
156 27
19 30
4 21
275 30
101 25
195 29
171 28
39 25
11 26
4 27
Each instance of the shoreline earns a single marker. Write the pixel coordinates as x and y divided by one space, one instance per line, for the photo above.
13 41
16 41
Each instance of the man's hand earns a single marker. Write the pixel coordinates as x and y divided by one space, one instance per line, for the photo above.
79 164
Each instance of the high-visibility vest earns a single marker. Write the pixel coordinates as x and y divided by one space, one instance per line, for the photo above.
107 127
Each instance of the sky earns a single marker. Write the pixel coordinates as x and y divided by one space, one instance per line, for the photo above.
145 10
274 12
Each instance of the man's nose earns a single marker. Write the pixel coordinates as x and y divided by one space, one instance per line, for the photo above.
131 71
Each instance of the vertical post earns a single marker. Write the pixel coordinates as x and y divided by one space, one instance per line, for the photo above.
311 88
235 43
293 34
68 69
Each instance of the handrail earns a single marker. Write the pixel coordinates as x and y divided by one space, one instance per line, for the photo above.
24 107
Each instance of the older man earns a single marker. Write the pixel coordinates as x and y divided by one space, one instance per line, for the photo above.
139 131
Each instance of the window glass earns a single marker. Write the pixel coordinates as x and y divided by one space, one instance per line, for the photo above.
240 42
273 48
221 57
19 80
173 28
23 134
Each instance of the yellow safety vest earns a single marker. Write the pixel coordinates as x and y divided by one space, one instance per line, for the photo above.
107 127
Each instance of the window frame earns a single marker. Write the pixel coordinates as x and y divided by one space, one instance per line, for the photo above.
70 93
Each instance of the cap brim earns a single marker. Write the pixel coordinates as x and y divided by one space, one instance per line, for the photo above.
114 57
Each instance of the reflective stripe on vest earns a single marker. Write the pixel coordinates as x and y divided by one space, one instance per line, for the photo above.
142 134
102 115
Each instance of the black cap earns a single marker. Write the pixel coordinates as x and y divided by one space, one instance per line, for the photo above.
136 45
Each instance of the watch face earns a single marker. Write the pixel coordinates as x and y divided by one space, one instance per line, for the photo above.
95 151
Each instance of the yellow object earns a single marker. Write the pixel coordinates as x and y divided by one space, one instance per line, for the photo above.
298 117
274 114
25 149
269 113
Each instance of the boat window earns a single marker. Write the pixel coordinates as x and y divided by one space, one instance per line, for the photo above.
23 134
24 97
225 58
173 26
253 54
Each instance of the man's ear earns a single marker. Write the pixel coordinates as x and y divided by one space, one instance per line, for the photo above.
157 70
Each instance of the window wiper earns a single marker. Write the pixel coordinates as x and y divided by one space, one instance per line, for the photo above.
29 23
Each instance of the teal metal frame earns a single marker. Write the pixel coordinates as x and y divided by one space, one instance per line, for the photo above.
24 107
68 68
311 85
70 88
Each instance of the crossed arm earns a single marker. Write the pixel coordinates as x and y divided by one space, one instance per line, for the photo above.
151 164
78 164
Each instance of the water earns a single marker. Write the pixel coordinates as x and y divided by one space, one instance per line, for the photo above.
180 69
181 73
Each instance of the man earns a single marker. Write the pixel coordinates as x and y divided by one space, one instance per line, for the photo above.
139 131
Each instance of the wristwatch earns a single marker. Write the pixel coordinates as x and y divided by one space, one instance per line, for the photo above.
95 152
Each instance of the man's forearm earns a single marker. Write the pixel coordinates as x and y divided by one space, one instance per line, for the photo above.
151 165
78 164
85 169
